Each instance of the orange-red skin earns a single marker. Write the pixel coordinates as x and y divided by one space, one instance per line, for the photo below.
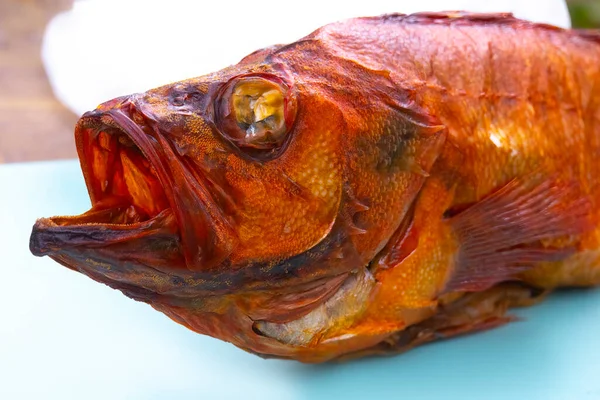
400 119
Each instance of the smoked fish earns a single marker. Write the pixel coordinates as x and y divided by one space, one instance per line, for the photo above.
378 184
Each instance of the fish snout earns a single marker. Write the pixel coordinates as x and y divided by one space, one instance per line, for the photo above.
42 241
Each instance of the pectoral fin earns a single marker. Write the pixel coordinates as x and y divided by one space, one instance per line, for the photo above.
512 229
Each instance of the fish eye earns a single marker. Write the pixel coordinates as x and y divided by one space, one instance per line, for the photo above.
256 111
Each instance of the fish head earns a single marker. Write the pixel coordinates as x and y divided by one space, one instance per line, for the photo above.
229 201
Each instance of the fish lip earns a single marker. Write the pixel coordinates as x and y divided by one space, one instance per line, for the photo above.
49 236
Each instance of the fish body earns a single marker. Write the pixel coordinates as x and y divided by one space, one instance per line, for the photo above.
378 184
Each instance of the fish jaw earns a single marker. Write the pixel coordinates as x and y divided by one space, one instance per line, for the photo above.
134 258
134 227
131 231
126 182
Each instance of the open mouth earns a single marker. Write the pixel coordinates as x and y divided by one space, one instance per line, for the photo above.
124 186
126 182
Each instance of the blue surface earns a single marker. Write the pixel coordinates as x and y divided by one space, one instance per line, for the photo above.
63 336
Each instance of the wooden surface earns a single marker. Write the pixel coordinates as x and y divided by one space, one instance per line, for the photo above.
33 124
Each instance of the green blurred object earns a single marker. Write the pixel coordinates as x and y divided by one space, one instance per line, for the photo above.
585 14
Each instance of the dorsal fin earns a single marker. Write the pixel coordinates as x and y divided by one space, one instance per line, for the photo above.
589 34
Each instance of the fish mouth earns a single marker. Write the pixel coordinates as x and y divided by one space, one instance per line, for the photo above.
126 183
120 167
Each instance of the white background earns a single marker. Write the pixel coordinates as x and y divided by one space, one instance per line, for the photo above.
106 48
